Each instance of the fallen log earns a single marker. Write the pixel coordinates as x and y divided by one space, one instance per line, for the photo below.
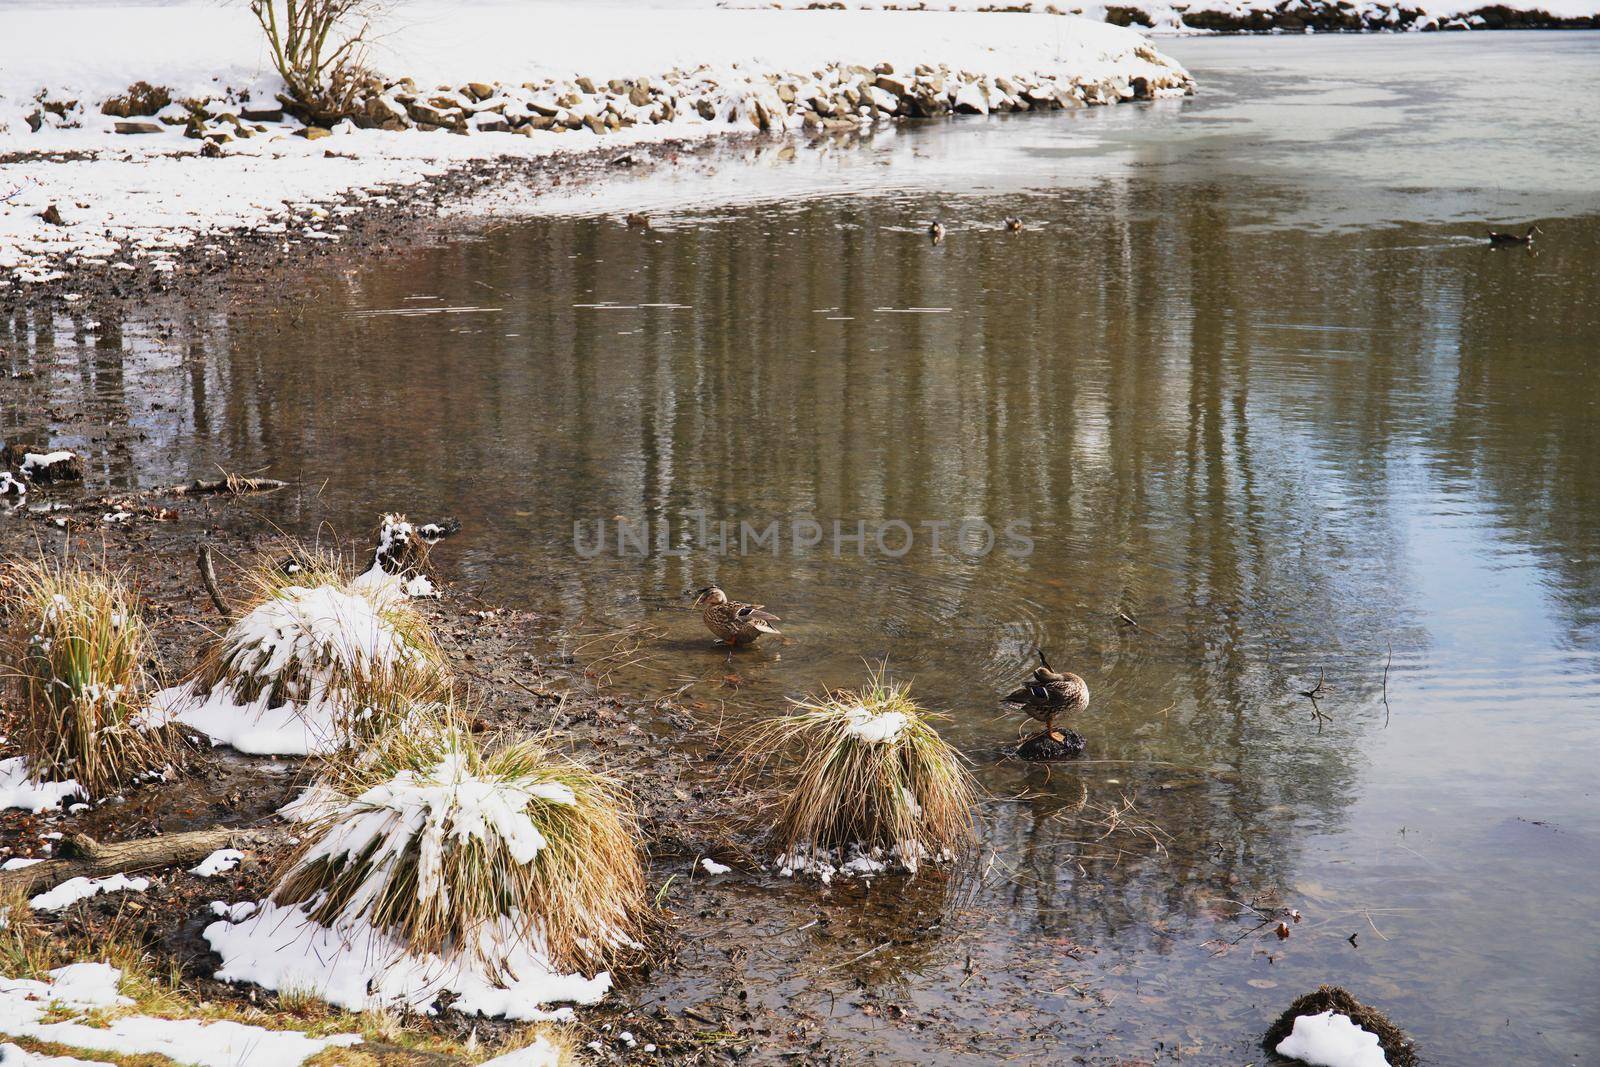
84 857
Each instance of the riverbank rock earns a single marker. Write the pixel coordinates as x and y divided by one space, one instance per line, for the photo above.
838 98
1397 1047
1048 746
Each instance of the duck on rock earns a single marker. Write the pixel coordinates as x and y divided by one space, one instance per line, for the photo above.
732 622
1050 693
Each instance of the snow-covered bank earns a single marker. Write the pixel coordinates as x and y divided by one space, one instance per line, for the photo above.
616 75
1261 16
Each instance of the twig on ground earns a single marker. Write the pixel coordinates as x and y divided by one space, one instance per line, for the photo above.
208 575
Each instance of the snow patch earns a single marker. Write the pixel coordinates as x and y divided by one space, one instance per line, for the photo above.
1330 1039
357 967
542 1053
223 859
75 889
24 1003
18 789
857 861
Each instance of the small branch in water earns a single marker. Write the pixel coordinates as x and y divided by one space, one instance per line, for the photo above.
870 952
1312 694
1126 620
1386 664
208 576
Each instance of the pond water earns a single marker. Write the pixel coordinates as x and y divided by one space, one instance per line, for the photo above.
1249 378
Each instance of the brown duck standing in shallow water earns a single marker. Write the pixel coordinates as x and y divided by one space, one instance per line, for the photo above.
733 623
1051 693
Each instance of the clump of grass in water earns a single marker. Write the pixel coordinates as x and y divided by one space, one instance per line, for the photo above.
864 771
76 648
453 849
313 633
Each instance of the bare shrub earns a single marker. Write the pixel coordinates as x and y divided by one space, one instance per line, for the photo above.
317 47
142 98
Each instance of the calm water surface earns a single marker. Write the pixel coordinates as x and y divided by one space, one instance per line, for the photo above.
1250 378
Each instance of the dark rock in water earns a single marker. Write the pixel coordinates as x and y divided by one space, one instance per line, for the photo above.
1048 745
1397 1047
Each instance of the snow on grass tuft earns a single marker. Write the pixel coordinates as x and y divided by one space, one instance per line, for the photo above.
25 1004
431 840
1329 1039
864 780
75 651
430 865
311 667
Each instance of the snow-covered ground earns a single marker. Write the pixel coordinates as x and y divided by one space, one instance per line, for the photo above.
152 192
29 1009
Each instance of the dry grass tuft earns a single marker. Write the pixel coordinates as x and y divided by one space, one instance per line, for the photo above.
76 649
452 849
864 770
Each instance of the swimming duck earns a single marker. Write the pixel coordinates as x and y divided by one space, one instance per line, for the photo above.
1013 224
936 231
1051 693
1498 238
638 220
733 623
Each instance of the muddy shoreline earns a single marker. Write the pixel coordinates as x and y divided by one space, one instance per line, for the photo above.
245 259
521 681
